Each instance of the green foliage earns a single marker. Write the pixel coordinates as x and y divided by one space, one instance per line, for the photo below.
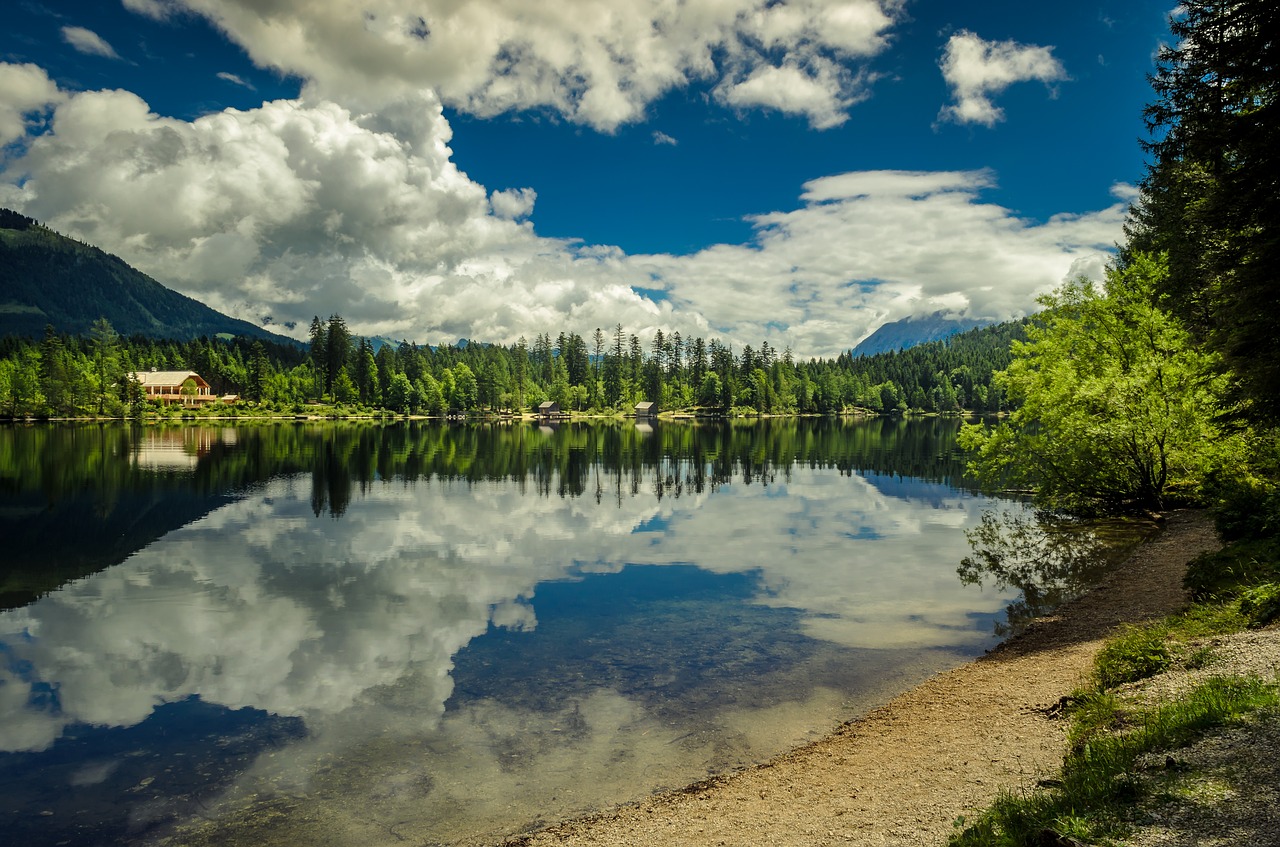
1246 496
64 374
1229 572
1117 406
1261 605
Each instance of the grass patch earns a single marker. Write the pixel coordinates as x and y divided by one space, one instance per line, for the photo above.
1136 653
1100 779
1139 652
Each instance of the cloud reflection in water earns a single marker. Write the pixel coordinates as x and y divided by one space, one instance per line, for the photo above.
354 624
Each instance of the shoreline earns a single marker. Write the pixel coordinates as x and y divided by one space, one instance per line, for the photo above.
905 772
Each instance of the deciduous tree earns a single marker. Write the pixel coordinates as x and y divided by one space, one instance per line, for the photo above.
1118 405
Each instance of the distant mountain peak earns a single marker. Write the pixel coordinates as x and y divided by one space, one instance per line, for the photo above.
916 329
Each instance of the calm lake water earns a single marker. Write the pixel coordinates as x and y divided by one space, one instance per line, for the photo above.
360 634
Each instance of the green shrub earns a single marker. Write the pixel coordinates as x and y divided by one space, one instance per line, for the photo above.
1247 499
1261 605
1228 572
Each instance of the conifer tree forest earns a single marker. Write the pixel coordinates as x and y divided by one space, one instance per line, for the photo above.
604 372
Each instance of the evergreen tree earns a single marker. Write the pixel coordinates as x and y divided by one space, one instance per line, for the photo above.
366 378
337 350
1211 197
106 363
319 348
259 374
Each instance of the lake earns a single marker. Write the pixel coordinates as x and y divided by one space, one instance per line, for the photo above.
340 633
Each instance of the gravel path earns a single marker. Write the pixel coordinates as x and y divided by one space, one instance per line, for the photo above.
903 774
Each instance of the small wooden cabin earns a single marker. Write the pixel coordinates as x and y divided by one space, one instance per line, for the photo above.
647 409
549 409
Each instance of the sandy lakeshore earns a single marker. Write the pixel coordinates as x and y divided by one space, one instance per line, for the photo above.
904 773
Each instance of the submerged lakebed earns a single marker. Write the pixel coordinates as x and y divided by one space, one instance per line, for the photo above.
345 633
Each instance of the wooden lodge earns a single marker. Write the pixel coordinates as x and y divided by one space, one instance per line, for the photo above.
549 410
647 409
185 387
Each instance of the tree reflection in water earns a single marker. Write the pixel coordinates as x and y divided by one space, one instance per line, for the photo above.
1049 558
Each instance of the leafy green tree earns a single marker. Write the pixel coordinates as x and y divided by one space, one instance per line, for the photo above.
709 390
1117 407
559 388
433 399
400 394
24 385
465 392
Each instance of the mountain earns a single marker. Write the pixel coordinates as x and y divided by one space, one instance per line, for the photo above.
916 329
47 278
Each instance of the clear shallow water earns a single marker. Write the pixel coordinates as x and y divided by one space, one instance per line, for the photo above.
352 634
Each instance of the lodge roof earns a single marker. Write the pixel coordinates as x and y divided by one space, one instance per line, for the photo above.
168 378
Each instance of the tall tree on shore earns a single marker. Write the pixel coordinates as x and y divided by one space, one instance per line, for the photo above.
338 350
1118 405
106 362
1211 196
319 349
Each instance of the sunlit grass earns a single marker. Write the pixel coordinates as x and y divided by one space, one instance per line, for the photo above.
1100 779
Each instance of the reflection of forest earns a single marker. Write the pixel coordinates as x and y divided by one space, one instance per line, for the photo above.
77 498
617 459
1048 558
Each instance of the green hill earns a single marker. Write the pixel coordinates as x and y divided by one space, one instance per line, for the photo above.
47 278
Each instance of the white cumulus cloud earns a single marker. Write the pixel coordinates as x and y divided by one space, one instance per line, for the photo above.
976 69
514 203
303 207
25 92
595 62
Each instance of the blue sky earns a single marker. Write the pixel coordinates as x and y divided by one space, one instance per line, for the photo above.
798 171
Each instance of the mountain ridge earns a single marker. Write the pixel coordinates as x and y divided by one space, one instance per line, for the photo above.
47 278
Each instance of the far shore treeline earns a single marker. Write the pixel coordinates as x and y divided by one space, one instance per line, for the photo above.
604 373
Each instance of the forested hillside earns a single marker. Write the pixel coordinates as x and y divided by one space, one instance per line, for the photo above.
47 278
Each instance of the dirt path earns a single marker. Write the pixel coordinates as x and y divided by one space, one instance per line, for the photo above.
905 772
